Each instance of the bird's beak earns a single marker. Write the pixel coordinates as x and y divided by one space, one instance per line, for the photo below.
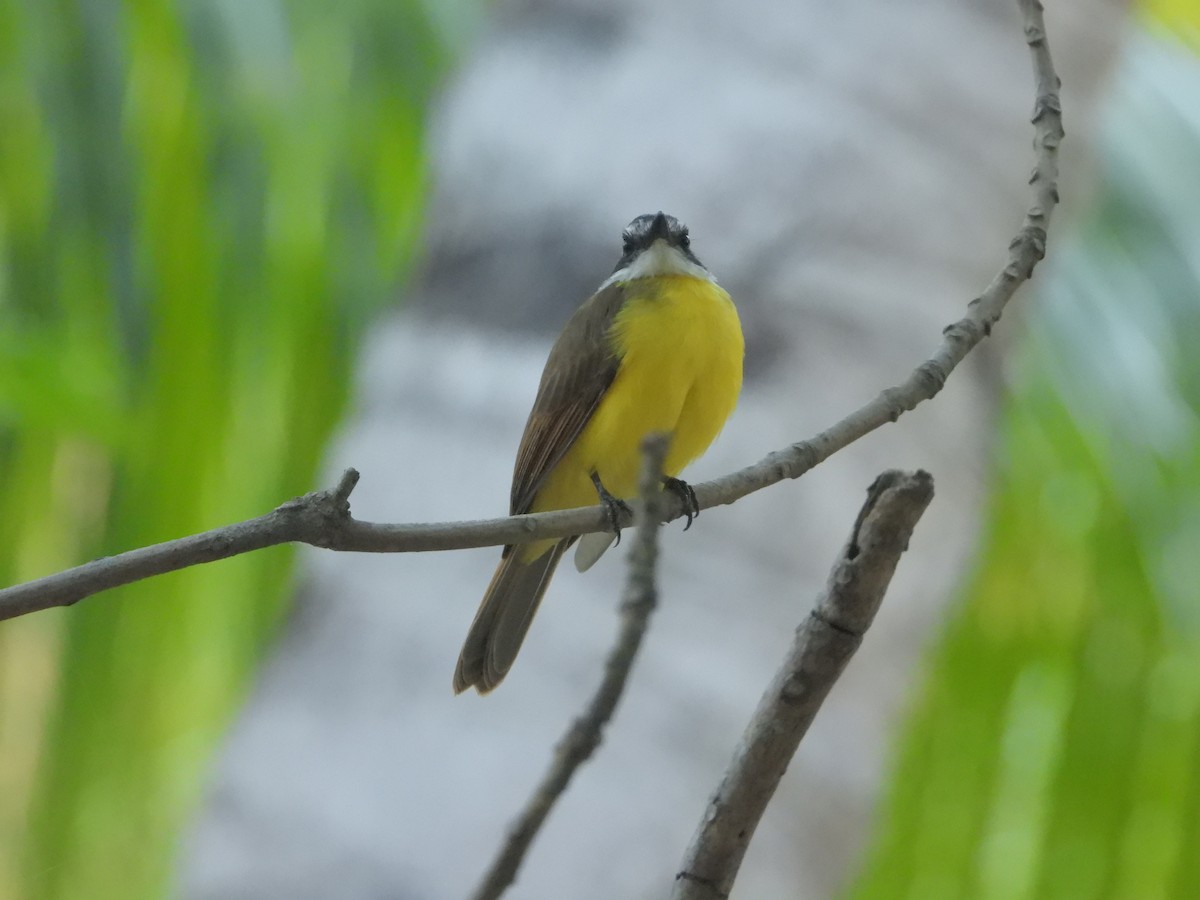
659 229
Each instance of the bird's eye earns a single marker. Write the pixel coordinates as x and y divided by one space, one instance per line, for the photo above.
684 241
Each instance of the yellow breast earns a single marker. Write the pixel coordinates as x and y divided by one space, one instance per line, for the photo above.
681 348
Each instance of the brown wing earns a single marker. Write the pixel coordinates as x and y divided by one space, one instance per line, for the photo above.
581 366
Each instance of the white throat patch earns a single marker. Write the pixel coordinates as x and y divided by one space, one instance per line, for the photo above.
660 258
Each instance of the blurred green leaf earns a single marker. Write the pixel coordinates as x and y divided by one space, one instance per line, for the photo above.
200 208
1052 752
1182 17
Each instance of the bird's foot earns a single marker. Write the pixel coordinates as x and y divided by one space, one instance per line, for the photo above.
614 507
686 493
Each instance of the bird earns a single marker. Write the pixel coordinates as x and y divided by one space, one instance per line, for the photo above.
658 348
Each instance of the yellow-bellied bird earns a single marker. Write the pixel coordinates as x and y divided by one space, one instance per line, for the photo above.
658 348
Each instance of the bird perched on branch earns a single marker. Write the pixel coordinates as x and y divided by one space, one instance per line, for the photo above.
658 348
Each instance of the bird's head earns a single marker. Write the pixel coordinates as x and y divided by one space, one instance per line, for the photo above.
657 244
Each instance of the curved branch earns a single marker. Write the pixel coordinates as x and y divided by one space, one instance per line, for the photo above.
820 651
323 519
834 629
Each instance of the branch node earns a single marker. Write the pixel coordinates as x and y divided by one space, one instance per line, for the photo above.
218 546
345 486
804 458
893 399
793 690
1046 104
818 615
932 377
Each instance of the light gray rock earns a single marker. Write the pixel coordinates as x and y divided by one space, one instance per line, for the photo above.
852 172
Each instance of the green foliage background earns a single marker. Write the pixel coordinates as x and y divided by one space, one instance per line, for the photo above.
200 204
1055 750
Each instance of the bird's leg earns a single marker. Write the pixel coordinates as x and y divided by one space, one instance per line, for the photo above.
613 506
686 493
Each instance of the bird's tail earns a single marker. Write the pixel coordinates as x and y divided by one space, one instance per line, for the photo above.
503 618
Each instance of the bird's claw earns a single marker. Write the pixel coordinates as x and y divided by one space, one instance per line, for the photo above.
686 493
614 508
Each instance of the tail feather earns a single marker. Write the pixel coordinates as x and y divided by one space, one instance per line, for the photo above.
503 619
591 547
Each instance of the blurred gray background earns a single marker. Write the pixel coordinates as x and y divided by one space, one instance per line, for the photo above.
852 173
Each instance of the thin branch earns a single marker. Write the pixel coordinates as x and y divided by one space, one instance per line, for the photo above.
1025 250
822 647
583 737
315 518
322 519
